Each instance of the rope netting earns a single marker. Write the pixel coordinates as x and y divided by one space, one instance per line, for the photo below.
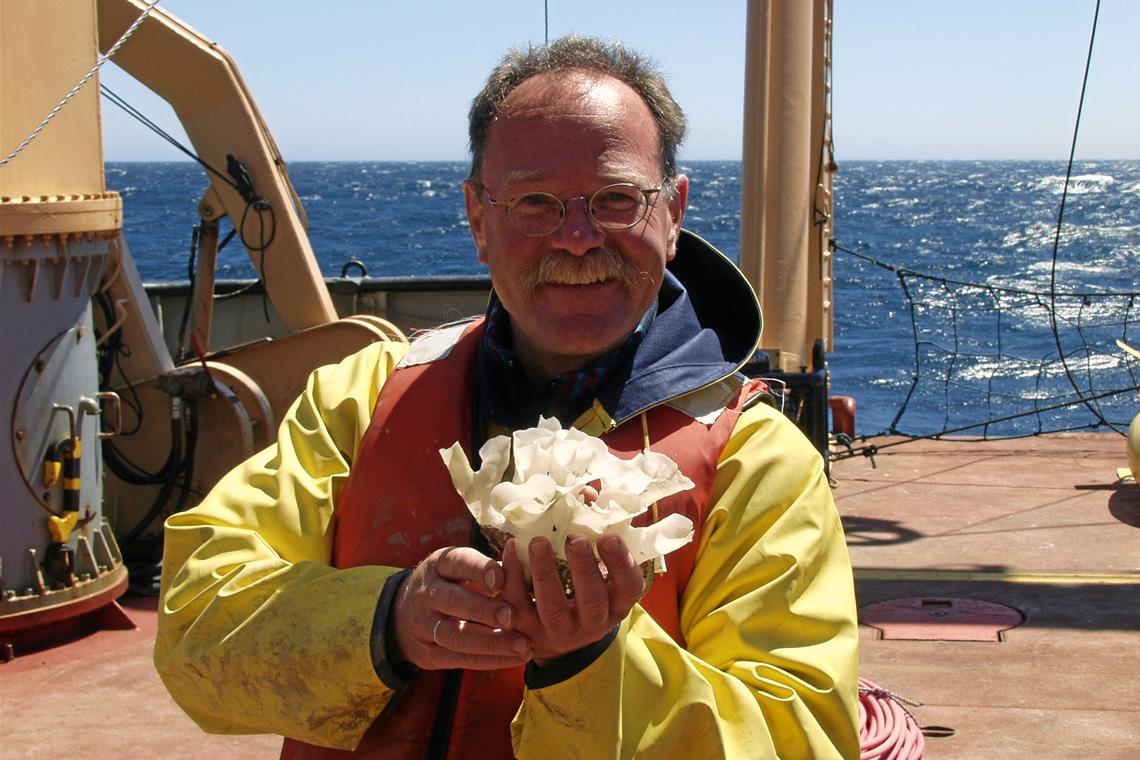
996 361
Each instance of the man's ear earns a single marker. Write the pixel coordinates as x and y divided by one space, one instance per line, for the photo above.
677 205
475 218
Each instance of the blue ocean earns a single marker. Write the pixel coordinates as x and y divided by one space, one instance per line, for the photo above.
959 309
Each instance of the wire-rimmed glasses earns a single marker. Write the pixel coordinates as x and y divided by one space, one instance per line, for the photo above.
614 207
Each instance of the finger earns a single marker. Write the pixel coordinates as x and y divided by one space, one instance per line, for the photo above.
426 596
626 581
554 609
514 585
447 598
464 637
470 565
591 596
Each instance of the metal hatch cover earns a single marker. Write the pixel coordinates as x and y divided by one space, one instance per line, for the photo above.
940 619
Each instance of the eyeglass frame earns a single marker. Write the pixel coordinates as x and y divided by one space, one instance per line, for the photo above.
511 202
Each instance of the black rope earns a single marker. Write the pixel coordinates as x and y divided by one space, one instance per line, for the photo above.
980 285
950 295
1060 218
874 449
112 96
188 304
237 177
184 440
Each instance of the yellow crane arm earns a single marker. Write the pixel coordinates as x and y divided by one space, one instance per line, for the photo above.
202 83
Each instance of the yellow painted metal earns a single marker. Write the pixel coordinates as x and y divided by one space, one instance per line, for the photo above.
902 574
61 527
84 214
203 85
53 185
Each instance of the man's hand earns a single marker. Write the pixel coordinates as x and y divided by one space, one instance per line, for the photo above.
555 624
447 614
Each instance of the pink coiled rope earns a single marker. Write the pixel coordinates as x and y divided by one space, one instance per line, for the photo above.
887 729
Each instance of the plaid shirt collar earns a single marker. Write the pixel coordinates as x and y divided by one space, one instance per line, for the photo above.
506 395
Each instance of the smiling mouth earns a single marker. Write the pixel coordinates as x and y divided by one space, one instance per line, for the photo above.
583 280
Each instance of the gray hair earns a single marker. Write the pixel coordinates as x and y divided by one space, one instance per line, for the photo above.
574 53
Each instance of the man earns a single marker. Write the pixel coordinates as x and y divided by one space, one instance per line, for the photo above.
333 589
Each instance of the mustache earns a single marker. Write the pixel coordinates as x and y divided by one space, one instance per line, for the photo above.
599 265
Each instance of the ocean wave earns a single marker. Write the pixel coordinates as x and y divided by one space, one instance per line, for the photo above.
1039 235
1010 368
1073 267
1081 184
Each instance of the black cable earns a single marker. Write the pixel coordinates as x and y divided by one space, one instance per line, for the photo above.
116 461
112 96
144 561
237 176
260 206
183 430
980 285
192 277
995 293
971 426
1057 235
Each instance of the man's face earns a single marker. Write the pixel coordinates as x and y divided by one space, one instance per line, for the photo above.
570 135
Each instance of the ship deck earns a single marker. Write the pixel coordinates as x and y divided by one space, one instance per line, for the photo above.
1042 525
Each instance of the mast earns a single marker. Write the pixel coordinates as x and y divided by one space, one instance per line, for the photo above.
786 183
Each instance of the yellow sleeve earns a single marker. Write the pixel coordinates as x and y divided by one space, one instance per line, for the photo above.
769 618
256 632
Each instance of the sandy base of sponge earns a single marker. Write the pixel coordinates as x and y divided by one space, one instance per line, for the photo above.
498 539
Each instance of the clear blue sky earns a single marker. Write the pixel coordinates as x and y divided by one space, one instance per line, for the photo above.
392 79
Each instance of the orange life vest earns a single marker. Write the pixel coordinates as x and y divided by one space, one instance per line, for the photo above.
399 505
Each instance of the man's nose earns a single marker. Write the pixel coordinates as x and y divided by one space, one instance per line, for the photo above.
578 233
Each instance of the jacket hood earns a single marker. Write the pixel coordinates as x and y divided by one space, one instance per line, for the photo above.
707 326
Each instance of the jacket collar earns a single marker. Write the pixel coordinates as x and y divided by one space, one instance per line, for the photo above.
706 326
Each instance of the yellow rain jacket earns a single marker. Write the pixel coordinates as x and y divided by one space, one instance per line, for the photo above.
258 633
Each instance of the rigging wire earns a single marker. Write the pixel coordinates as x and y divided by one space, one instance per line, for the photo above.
1088 402
981 286
996 292
238 178
143 119
871 450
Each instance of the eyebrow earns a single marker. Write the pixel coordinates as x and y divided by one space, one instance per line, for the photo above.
536 176
520 176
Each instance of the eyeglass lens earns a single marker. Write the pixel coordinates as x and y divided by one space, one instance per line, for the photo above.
613 207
